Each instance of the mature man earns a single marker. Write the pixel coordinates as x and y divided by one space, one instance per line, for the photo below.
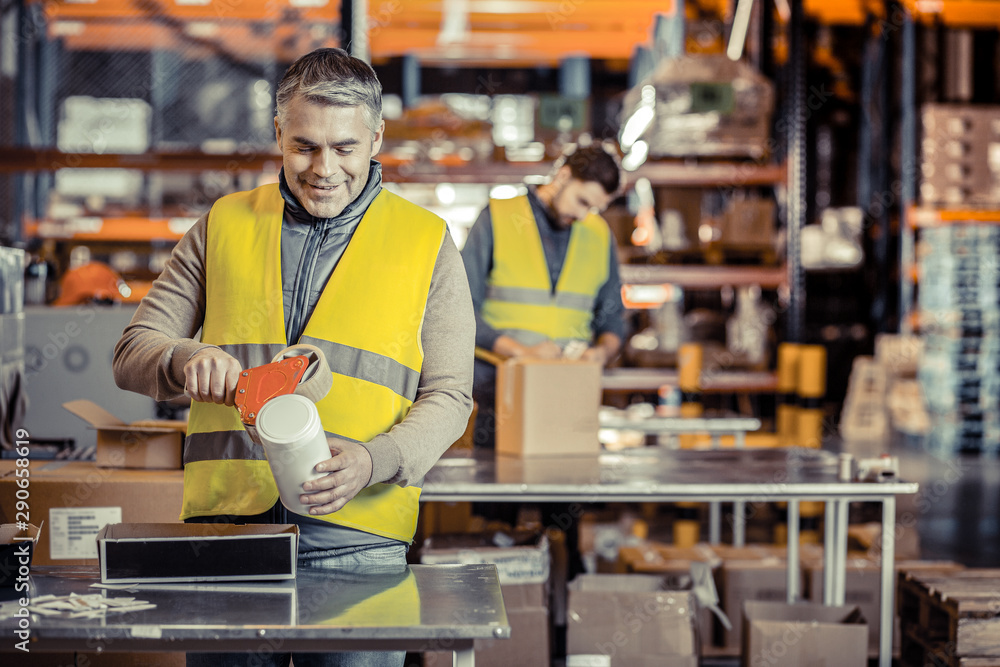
543 271
329 258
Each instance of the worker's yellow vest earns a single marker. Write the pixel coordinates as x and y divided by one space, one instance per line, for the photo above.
520 301
367 322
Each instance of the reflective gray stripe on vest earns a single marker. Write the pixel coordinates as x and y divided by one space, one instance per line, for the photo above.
228 446
537 297
221 445
251 355
342 359
368 366
573 301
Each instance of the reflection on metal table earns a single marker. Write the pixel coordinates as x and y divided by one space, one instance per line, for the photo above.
655 474
673 428
415 608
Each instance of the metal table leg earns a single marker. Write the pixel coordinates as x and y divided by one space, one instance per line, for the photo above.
740 506
792 573
715 522
465 654
840 554
829 550
739 523
887 600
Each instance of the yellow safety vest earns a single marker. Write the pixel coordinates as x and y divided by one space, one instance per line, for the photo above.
367 322
520 301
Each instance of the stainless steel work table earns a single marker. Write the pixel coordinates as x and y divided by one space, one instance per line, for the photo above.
417 608
656 474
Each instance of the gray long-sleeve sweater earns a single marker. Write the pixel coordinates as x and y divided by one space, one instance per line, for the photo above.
150 357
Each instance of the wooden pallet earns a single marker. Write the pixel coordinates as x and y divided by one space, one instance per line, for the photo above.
916 651
950 618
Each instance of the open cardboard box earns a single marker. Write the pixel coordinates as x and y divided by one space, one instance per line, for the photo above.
189 552
792 635
16 548
142 444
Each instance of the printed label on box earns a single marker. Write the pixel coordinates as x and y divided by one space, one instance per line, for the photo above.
73 530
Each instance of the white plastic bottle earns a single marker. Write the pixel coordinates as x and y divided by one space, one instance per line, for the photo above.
292 434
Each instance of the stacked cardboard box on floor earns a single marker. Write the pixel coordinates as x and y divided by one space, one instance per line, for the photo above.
633 619
523 565
674 564
755 573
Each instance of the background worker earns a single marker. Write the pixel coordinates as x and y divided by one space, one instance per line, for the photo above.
520 248
330 258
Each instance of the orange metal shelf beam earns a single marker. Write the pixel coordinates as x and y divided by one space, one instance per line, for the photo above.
392 41
216 10
238 39
957 13
922 216
129 229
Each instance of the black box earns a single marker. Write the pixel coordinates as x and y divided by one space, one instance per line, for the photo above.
16 548
187 552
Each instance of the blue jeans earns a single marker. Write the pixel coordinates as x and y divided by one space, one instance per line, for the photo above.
388 559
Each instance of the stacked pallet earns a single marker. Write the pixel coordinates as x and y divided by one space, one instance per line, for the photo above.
950 619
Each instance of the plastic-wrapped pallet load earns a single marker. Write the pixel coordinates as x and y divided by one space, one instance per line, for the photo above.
959 302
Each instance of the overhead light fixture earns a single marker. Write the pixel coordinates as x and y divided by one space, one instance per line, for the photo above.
636 156
445 193
640 119
503 192
738 35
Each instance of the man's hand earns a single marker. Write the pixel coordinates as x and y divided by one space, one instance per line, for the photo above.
596 353
349 470
544 350
210 376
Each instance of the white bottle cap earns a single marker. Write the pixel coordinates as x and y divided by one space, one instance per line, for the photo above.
287 419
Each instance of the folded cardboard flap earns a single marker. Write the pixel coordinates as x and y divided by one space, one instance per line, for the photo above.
11 533
93 414
98 417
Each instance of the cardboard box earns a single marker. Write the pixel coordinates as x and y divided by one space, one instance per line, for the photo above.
758 579
16 547
528 645
75 499
191 552
631 618
523 566
674 564
786 635
147 444
547 407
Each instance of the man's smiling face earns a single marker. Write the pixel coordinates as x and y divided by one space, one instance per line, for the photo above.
326 151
